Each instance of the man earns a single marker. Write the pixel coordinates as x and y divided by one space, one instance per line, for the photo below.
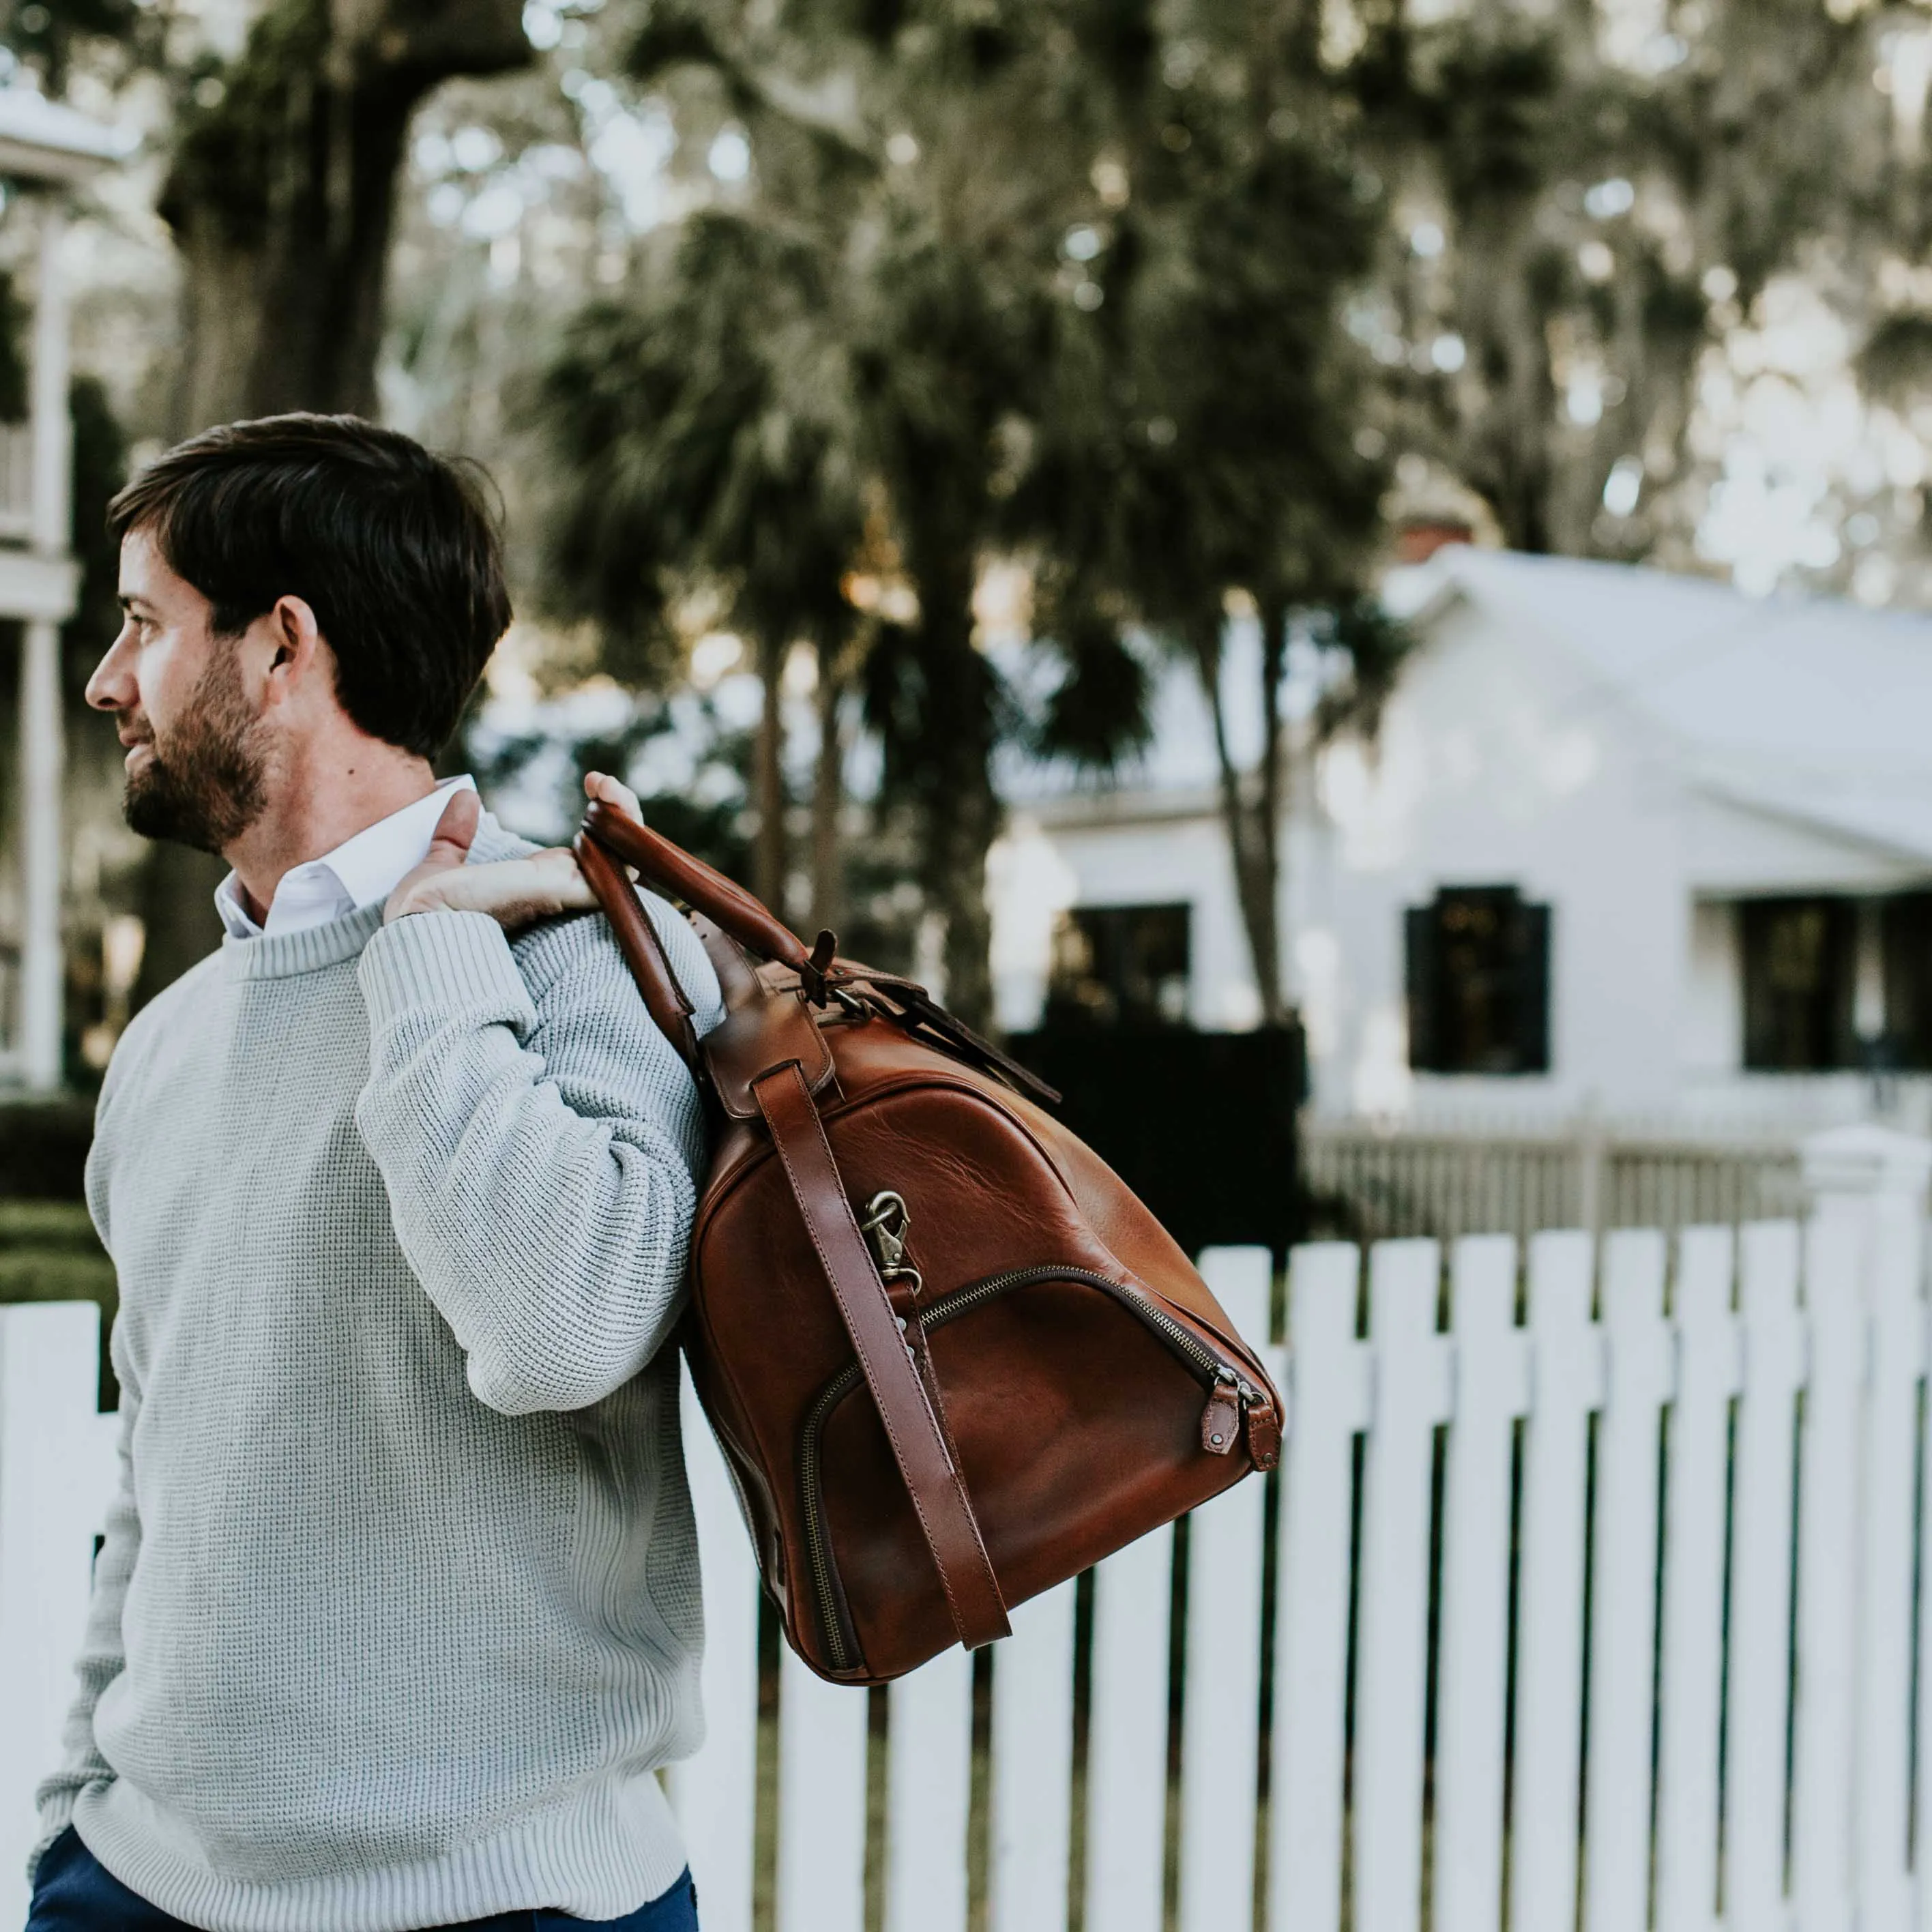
398 1612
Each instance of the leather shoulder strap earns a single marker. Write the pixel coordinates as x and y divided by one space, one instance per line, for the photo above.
643 951
932 1479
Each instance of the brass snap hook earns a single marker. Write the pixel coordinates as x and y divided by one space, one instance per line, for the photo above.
887 1217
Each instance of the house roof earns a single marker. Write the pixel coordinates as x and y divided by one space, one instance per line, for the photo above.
1816 676
1813 709
43 140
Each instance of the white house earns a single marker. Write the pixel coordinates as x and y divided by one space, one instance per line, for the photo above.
1627 843
45 150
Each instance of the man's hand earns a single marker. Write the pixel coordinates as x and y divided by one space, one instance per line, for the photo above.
515 892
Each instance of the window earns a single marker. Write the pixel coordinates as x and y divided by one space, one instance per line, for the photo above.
1478 975
1800 974
1120 966
1905 929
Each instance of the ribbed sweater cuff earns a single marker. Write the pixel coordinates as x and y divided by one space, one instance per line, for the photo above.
56 1815
438 961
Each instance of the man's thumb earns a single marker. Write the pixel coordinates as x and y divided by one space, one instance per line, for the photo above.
450 842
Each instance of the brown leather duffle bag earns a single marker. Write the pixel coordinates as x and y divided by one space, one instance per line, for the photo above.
950 1359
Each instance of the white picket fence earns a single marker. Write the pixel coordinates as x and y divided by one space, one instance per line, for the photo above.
1733 1742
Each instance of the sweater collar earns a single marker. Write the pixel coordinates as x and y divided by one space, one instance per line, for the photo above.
279 955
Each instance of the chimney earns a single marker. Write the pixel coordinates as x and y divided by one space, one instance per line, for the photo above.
1418 539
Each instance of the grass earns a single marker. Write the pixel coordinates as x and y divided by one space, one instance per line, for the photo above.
49 1252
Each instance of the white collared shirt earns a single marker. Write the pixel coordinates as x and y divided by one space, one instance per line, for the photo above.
365 867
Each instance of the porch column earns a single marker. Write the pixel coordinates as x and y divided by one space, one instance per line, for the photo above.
40 695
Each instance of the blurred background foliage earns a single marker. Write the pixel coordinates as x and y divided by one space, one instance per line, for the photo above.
818 345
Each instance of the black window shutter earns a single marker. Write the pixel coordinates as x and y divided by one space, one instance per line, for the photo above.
1845 1050
1532 1005
1907 935
1423 980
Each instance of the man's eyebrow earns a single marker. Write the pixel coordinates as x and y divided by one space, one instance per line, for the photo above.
127 599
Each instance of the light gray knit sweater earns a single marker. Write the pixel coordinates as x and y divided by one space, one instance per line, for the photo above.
398 1609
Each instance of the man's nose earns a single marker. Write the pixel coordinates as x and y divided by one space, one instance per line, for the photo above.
111 688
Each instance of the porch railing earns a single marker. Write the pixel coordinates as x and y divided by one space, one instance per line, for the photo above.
1374 1183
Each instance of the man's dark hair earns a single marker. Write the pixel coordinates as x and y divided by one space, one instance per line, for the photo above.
396 551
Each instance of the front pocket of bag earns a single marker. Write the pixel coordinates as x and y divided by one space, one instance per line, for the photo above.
1076 1404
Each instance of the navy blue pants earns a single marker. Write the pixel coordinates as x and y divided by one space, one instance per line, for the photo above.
74 1892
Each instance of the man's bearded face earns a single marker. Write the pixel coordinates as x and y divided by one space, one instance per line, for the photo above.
200 782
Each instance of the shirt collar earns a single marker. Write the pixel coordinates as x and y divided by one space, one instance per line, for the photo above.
364 868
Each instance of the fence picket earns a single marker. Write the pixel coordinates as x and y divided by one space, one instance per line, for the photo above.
1922 1783
1549 1687
1127 1742
1828 1548
929 1769
1394 1620
1032 1766
1891 1270
1220 1737
55 1488
1692 1684
1757 1698
821 1880
1325 1408
1637 1381
714 1793
1492 1389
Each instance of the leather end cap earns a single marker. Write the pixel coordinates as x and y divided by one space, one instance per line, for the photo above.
1264 1437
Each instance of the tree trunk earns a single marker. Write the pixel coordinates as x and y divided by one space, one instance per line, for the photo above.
961 813
176 903
828 794
281 197
1265 916
1252 827
768 856
1510 457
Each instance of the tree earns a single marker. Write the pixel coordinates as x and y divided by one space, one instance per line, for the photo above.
898 292
115 36
1195 447
1155 430
280 196
705 455
1585 210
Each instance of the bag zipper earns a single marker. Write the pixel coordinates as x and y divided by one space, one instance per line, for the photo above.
1229 1394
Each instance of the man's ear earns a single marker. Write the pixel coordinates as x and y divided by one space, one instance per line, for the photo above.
295 638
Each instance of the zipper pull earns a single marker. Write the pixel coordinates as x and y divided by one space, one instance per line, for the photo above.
1221 1420
1263 1424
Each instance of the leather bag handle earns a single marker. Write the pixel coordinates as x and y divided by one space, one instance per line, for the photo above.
607 831
672 870
665 1000
931 1477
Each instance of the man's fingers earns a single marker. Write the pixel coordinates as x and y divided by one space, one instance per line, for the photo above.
513 892
612 791
572 888
454 830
